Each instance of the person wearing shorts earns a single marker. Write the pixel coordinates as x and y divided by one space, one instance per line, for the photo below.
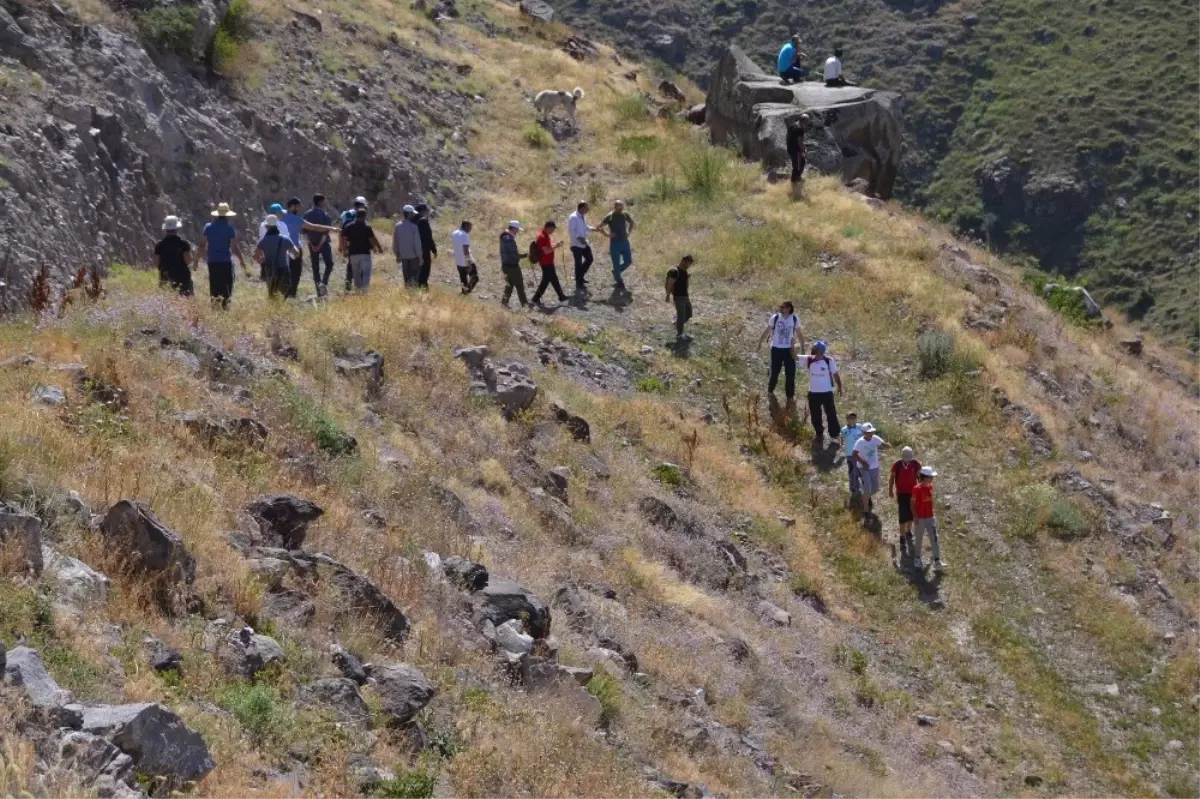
901 482
925 523
866 458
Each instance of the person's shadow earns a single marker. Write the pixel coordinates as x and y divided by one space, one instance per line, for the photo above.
825 454
681 348
619 300
926 581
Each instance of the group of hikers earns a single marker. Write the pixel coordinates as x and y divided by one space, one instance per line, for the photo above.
286 233
790 64
909 482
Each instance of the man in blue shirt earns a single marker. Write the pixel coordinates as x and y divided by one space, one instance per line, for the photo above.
851 433
317 226
789 60
293 224
219 245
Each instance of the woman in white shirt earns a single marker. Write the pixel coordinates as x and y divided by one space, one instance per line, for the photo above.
785 332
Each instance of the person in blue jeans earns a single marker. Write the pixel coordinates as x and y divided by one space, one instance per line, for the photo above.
788 63
318 224
618 225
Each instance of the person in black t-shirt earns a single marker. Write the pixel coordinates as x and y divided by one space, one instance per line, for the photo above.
677 290
358 242
795 146
173 257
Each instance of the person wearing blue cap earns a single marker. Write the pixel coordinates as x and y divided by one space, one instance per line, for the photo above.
406 246
822 376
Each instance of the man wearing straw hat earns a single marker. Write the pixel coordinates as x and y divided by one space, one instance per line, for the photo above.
219 246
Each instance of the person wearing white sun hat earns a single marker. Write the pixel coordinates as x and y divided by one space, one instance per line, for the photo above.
173 257
219 246
925 523
866 458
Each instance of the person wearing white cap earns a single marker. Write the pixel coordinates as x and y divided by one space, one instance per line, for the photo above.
901 482
823 375
866 458
173 257
926 523
510 264
406 246
275 252
428 244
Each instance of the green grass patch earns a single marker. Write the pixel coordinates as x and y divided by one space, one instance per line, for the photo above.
169 28
1040 507
536 136
409 785
260 709
607 690
668 474
651 385
308 416
632 108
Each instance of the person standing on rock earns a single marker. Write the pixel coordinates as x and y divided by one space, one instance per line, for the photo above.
428 245
219 246
677 291
468 273
545 246
581 248
275 252
925 523
833 70
786 332
822 375
347 217
406 246
901 482
173 257
318 225
293 223
866 460
850 435
788 63
619 227
358 242
510 264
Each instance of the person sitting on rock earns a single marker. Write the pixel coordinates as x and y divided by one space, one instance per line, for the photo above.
833 70
789 60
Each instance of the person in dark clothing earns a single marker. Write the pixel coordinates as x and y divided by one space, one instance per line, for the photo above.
318 225
510 264
823 375
785 331
173 257
545 252
347 218
677 291
795 147
428 245
358 242
275 252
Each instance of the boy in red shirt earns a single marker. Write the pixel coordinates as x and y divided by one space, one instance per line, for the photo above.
922 505
901 482
545 251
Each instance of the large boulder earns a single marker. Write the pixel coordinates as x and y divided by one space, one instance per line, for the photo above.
464 573
856 131
404 691
246 653
75 584
509 384
25 670
161 745
81 758
503 600
337 695
21 533
283 519
146 543
359 595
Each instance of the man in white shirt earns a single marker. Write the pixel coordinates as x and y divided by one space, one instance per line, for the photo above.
866 458
581 249
785 330
833 70
468 275
822 375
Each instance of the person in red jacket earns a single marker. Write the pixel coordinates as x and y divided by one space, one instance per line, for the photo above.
901 482
545 252
922 503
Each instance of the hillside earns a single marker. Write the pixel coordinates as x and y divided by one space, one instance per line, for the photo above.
709 618
1062 131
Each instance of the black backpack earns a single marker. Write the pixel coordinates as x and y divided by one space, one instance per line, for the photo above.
535 253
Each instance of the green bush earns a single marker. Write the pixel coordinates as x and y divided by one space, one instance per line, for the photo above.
1041 507
233 32
632 108
168 29
638 146
704 171
607 690
536 136
259 708
651 384
936 350
668 474
410 785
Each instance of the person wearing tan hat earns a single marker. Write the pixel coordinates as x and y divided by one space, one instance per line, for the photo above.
173 257
219 246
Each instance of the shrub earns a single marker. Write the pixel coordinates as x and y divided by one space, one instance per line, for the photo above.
638 146
536 136
632 108
663 188
607 691
651 384
596 192
259 708
231 34
935 349
1041 506
169 29
704 171
411 785
668 474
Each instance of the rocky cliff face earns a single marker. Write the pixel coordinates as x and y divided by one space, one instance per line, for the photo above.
101 138
857 133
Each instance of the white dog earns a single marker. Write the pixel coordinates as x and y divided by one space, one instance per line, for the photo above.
547 101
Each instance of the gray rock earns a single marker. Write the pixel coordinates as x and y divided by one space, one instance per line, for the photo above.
340 696
538 9
160 656
510 637
502 600
161 745
473 357
928 721
25 670
1133 346
75 584
578 426
403 691
772 614
349 664
368 365
21 534
671 91
49 395
89 761
210 429
697 114
146 543
856 131
283 519
289 608
245 653
464 573
358 594
561 477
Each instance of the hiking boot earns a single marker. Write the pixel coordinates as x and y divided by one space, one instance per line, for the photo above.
939 566
918 564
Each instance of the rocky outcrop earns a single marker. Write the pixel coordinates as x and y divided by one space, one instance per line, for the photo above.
161 745
404 691
283 519
21 534
856 132
75 585
25 670
503 600
509 384
146 544
338 696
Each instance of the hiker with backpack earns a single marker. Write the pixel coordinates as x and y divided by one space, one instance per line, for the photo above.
542 250
822 376
275 252
901 482
347 217
173 257
785 331
510 264
468 273
925 523
677 291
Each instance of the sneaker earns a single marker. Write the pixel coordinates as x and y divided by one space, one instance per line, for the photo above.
322 290
918 564
939 566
